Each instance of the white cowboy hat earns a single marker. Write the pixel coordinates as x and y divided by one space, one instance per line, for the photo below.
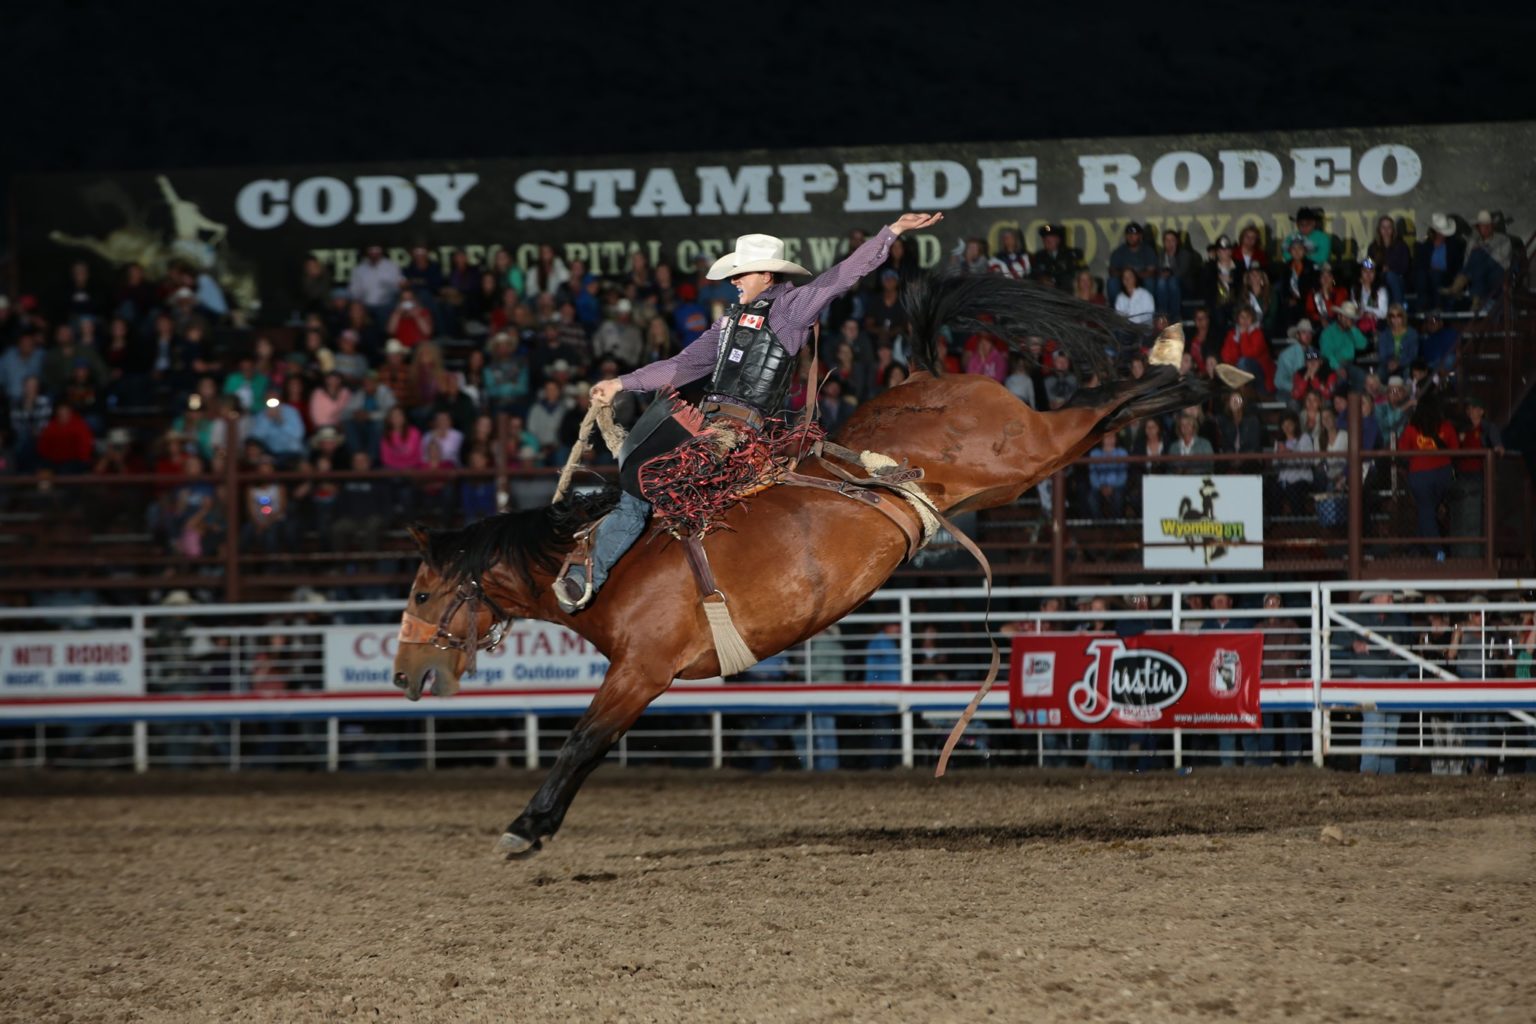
1349 309
1302 325
1483 217
395 347
754 253
1442 224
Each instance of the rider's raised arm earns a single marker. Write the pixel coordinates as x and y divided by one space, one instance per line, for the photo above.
693 362
803 305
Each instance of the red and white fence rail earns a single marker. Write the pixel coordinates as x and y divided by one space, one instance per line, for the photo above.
1344 674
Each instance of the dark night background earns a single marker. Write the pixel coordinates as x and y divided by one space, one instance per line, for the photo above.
104 86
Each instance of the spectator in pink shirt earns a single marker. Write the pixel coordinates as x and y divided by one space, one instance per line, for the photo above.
328 402
400 447
987 359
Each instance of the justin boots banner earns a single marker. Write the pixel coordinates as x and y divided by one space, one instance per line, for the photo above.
1152 681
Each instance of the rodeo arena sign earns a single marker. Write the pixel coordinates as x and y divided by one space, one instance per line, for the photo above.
250 229
1202 522
360 659
1152 681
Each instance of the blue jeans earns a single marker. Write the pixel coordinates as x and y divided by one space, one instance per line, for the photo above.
1099 746
823 743
1251 365
761 749
1168 296
1395 287
1429 488
1112 507
1378 729
614 536
1483 273
362 436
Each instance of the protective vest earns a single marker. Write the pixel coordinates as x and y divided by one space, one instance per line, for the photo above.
752 367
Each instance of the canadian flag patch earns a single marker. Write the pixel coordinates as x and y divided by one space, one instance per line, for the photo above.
751 320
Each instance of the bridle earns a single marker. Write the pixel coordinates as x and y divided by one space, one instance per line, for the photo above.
416 630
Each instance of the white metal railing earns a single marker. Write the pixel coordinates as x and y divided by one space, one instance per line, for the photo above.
1389 699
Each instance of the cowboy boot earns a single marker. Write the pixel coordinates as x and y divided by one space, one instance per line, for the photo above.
618 530
1457 286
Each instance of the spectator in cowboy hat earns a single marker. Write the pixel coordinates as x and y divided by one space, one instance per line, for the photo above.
1054 263
619 337
395 374
1438 261
1291 359
1487 261
1342 343
1393 409
328 442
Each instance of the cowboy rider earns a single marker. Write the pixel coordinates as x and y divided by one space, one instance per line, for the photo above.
749 355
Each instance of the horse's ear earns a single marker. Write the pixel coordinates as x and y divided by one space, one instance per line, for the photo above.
419 535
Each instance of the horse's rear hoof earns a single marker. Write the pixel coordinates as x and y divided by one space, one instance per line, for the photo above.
514 847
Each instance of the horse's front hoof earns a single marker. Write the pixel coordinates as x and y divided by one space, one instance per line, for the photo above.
514 847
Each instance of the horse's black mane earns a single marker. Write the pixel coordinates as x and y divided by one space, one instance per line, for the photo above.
1015 311
522 541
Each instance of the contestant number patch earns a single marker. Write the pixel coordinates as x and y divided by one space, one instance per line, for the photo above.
736 354
752 320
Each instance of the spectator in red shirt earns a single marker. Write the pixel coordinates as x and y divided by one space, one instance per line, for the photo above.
1250 250
1431 437
1248 349
1324 297
411 322
66 444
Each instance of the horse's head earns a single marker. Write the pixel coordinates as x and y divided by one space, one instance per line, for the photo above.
447 621
450 615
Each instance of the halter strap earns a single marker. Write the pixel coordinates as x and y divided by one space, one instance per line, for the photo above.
416 630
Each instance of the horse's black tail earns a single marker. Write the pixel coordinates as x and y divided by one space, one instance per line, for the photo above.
1158 393
1015 311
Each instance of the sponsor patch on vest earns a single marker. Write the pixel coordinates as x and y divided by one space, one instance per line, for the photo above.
736 354
751 320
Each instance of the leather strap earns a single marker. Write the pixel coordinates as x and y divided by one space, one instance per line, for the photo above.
703 575
892 481
858 492
748 415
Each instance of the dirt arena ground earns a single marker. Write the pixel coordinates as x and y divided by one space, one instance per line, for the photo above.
1016 896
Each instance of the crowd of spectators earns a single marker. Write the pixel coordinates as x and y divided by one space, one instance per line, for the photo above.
440 363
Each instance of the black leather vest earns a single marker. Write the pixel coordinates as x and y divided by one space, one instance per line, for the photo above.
752 367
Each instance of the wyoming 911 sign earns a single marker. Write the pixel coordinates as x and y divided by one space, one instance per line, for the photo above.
1153 681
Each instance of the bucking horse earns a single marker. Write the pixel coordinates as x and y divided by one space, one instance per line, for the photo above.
806 556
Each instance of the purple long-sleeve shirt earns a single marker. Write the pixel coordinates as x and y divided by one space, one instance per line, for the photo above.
795 309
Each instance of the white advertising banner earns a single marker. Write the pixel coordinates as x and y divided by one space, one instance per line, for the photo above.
534 655
1202 522
104 664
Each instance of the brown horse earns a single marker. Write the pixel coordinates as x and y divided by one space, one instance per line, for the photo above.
797 561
